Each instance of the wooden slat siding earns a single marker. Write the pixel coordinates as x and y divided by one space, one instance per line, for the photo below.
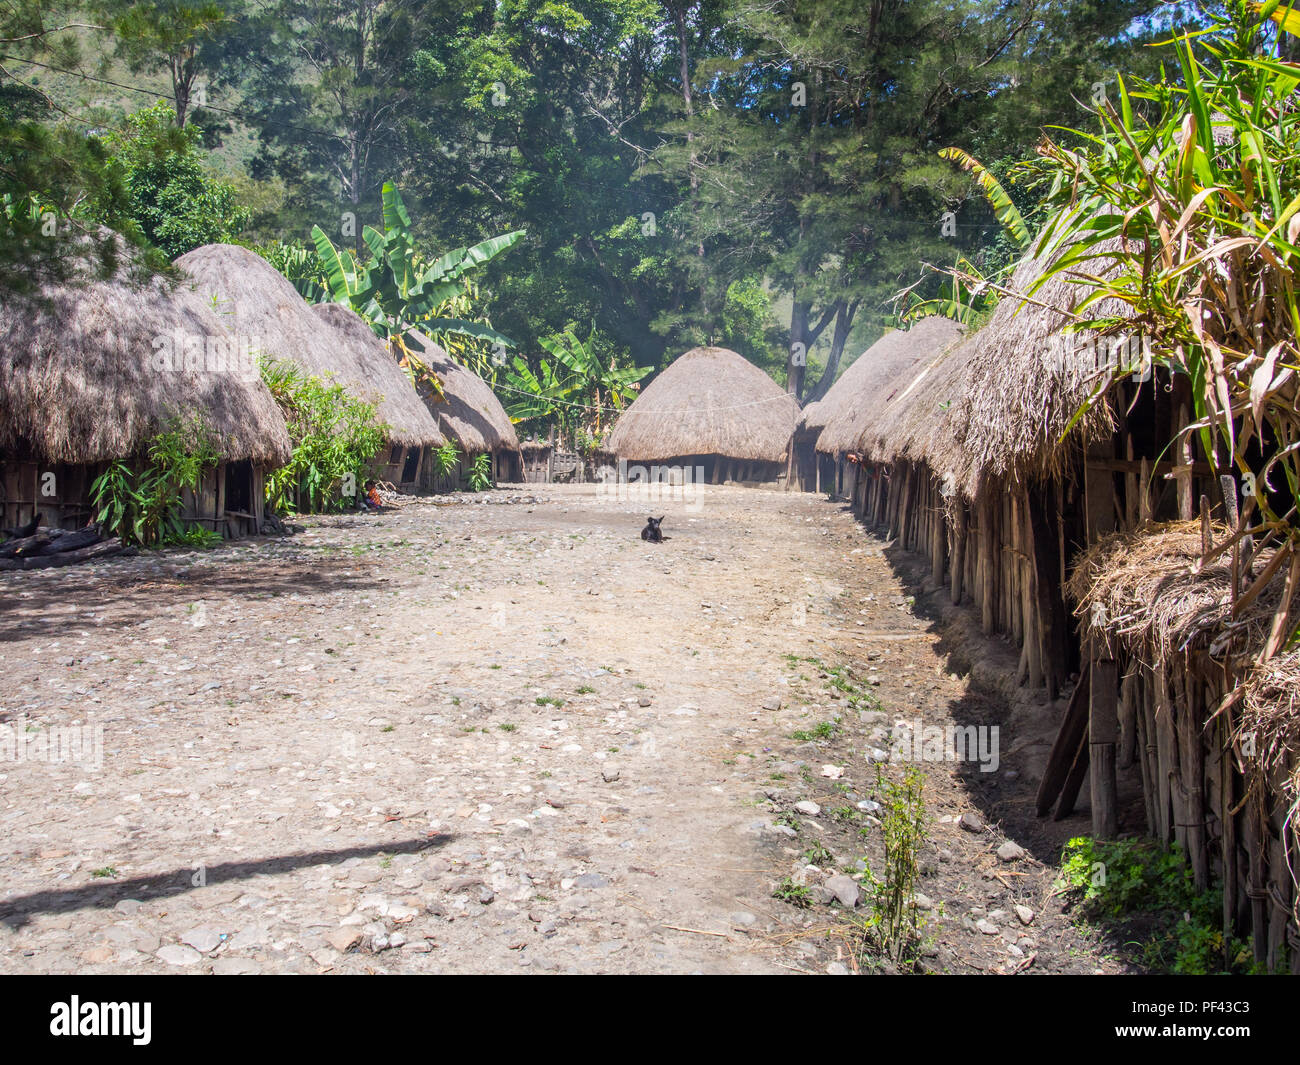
1126 750
1192 758
1053 617
1226 804
1032 624
1257 884
939 534
1146 751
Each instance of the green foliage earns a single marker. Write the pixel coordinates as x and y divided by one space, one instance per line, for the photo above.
895 921
446 458
1004 208
335 439
817 854
749 325
480 472
171 196
573 388
143 505
189 41
1147 893
399 288
796 895
1198 171
49 167
825 731
964 295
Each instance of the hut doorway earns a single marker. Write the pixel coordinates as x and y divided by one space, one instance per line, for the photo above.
411 466
239 486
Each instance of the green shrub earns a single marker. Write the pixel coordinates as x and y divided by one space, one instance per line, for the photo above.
480 473
335 440
446 458
1148 892
144 505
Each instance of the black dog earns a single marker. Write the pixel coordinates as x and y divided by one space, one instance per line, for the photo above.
652 533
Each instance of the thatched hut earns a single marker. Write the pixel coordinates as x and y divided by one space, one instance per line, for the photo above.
327 340
92 370
470 415
830 427
713 410
1084 542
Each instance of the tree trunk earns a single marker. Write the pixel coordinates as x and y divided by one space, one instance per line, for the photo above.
839 338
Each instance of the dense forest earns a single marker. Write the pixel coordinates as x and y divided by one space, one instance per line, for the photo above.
762 176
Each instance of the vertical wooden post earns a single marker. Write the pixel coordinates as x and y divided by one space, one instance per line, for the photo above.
989 562
1183 475
958 567
1103 714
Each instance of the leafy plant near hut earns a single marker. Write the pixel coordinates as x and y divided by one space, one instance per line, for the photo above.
1149 892
335 438
480 473
144 505
1197 176
445 458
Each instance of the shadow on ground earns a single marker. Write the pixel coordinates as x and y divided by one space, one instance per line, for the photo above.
17 912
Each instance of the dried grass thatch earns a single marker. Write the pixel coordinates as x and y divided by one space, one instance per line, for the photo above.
1140 590
1011 419
710 401
917 423
1268 725
865 393
258 302
470 412
83 375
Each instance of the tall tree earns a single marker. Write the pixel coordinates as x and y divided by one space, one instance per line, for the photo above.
189 40
334 94
821 161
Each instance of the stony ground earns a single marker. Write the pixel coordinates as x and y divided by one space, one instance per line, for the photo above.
504 734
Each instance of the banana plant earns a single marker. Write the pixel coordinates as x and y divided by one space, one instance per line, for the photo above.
574 386
1004 210
399 289
965 295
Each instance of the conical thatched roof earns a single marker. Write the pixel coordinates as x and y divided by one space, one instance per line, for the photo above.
257 301
1024 392
710 401
470 414
870 386
86 373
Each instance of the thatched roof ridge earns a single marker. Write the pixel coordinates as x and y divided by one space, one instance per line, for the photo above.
257 301
470 413
866 392
919 424
91 370
1028 379
709 401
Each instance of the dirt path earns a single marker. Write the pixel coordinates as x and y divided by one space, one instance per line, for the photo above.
491 736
